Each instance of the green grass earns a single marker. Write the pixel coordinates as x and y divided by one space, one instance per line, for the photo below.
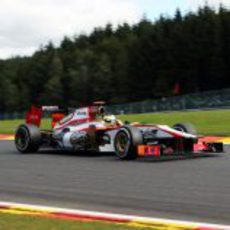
213 122
19 222
9 126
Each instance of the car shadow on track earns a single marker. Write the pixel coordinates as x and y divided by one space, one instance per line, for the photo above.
163 159
110 156
75 154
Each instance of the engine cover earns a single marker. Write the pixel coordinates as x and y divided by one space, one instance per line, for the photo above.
73 140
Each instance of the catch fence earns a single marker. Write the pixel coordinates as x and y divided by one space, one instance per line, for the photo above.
217 99
207 100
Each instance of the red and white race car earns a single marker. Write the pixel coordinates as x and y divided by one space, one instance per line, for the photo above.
90 128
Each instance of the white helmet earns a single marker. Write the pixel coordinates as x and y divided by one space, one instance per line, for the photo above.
110 119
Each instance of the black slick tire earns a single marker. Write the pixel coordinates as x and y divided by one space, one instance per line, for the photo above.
186 127
27 138
126 141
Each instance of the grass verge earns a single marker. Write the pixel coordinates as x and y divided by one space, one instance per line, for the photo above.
9 126
213 122
20 222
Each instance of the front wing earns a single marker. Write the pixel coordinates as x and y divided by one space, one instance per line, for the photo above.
158 150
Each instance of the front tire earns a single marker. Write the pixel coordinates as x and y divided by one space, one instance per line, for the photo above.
27 138
186 127
126 141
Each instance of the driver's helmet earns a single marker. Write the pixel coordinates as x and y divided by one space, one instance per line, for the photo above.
110 119
98 108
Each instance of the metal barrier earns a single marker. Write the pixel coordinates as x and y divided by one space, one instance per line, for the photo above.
12 116
206 100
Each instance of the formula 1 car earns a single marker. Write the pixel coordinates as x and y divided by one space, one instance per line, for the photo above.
90 128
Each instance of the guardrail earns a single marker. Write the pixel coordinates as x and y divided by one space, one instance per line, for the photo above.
207 100
12 116
217 99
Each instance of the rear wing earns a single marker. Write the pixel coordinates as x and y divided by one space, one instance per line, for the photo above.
34 115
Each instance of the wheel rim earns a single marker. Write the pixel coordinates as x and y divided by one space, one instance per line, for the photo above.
122 143
22 139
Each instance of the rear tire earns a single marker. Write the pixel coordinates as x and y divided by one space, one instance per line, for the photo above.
186 127
27 138
126 141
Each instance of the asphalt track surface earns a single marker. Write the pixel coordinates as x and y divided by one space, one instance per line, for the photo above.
195 189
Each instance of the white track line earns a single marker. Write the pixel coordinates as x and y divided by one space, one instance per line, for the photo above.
95 215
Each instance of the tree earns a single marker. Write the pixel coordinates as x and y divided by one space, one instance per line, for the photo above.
128 63
53 91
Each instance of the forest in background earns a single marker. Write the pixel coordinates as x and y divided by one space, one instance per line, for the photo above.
172 55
